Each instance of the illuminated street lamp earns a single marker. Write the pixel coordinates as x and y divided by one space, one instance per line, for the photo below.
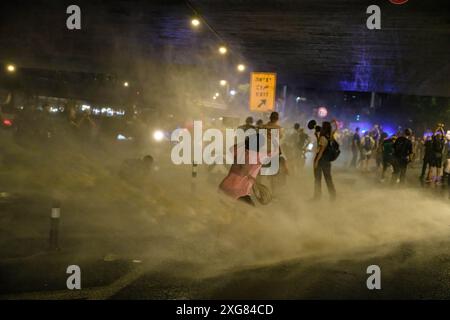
217 94
223 83
126 84
11 68
195 22
158 135
223 50
241 67
233 92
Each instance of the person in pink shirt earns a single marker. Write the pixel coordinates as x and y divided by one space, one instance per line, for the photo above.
241 177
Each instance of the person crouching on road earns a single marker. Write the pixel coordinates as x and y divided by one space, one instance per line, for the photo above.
241 177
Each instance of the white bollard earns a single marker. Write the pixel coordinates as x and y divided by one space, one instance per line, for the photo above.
55 215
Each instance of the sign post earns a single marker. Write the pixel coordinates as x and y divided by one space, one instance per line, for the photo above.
262 91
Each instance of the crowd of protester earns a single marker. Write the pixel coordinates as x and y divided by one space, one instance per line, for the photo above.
396 159
399 152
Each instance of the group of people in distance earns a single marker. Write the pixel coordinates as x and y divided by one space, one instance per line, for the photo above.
401 150
395 153
242 177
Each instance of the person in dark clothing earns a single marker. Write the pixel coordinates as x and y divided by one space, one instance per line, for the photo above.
136 171
427 157
321 164
294 146
438 143
248 124
356 146
259 123
387 146
403 151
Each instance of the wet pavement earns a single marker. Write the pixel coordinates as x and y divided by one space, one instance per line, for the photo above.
143 259
410 272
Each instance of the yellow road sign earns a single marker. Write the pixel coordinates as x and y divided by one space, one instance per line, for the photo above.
262 92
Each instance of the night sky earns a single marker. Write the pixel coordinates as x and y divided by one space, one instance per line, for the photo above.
320 44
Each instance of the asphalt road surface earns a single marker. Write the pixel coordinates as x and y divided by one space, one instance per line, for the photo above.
311 255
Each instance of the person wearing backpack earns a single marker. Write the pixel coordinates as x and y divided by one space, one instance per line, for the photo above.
326 151
403 151
368 144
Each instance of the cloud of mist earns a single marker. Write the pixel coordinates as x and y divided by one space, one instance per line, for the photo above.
161 219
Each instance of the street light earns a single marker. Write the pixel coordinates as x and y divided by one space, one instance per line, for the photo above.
158 135
223 50
233 92
195 22
11 68
126 84
217 94
241 67
223 83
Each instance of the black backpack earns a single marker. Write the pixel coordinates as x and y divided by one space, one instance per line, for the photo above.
438 145
401 148
332 150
